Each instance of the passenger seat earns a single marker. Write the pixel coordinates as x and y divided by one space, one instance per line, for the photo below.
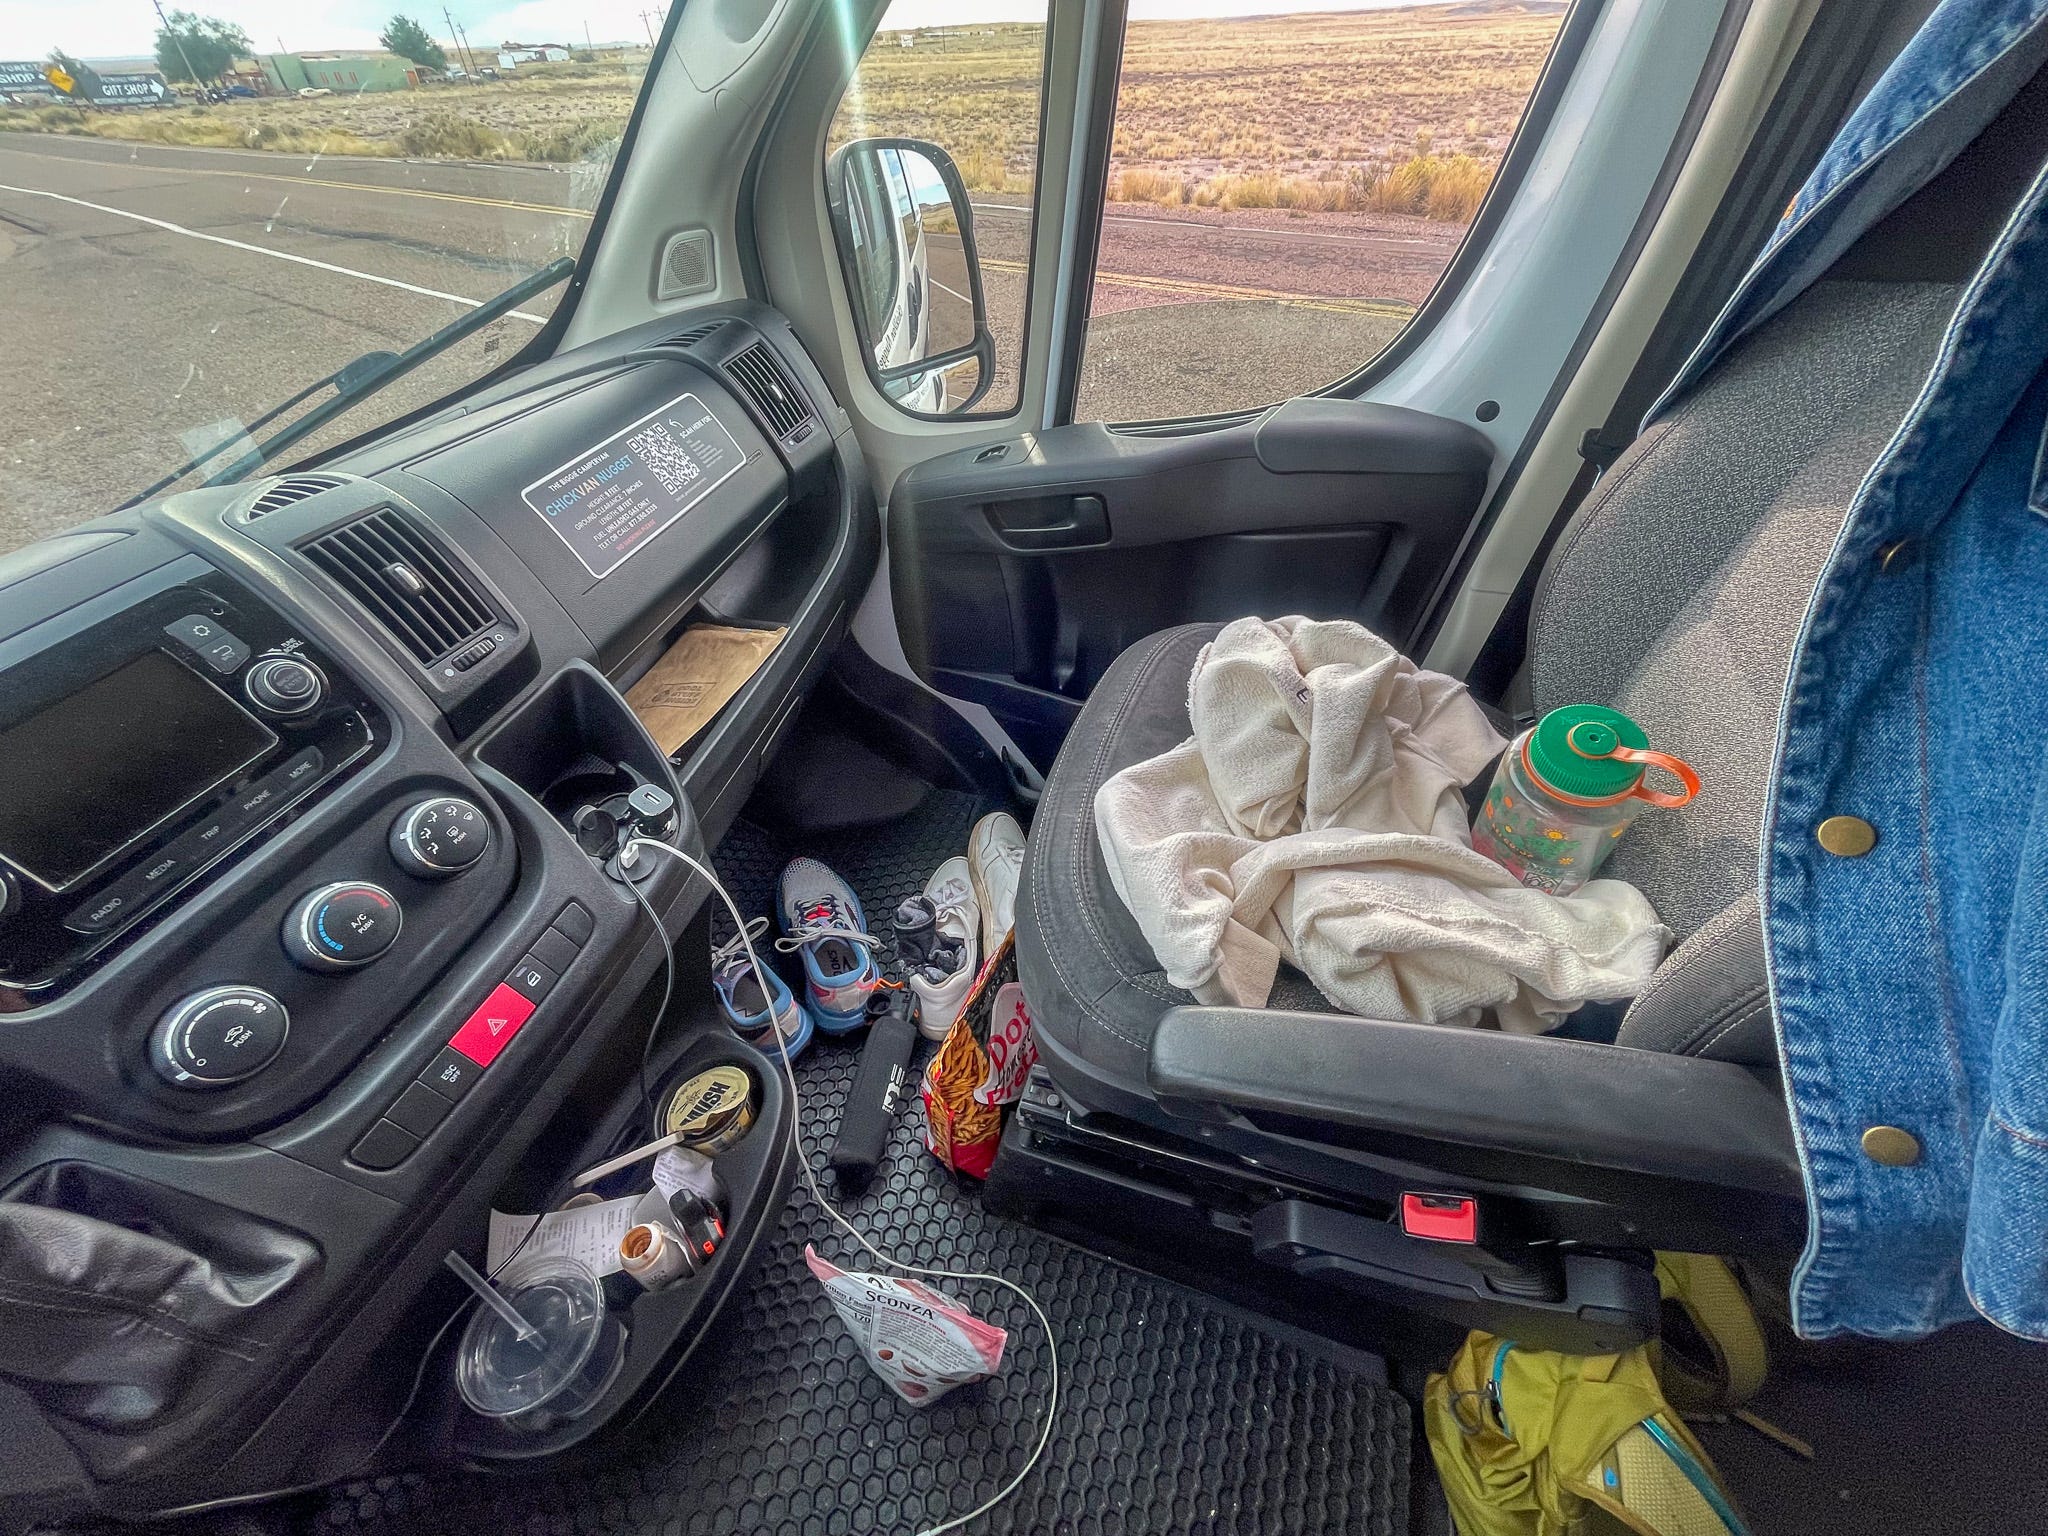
1675 595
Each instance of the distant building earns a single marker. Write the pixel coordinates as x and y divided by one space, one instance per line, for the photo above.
341 73
512 55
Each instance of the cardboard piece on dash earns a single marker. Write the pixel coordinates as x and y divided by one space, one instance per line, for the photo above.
702 670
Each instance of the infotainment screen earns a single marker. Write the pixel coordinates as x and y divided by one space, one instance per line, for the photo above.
92 773
608 502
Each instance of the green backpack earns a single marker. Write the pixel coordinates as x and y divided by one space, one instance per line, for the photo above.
1529 1442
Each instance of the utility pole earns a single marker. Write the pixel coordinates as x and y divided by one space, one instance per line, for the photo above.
468 52
649 25
455 37
588 45
190 72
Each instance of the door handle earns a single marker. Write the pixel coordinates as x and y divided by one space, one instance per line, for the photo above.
1050 522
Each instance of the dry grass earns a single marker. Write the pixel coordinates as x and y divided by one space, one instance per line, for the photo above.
1314 112
1449 188
570 112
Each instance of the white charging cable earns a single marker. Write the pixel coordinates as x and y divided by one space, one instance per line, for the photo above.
1052 1400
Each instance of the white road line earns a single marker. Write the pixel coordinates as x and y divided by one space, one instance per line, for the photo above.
944 289
241 245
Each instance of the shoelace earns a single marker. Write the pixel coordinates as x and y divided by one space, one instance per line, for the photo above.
735 948
825 919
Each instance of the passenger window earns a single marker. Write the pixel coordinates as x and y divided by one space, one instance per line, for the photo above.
972 91
1284 191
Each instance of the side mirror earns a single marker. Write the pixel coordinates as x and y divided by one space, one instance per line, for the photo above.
906 245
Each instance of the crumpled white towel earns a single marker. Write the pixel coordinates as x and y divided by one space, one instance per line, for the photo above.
1316 816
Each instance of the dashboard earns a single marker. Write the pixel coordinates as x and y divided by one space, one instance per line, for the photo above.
303 966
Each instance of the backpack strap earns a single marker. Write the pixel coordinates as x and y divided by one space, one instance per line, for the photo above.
1713 1301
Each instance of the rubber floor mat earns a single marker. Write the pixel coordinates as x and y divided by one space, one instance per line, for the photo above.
1176 1412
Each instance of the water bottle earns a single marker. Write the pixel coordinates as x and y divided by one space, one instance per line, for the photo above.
1565 791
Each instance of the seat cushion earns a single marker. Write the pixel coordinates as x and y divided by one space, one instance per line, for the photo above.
1096 991
1712 995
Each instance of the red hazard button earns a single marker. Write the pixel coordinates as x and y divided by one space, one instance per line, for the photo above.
492 1026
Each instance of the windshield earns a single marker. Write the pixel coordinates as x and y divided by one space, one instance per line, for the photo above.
195 228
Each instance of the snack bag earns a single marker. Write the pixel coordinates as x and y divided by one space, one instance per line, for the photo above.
960 1126
1012 1048
922 1343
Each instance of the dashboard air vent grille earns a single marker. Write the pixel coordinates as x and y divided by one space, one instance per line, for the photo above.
290 489
692 336
761 377
406 581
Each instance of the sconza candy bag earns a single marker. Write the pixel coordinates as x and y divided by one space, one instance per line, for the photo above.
922 1343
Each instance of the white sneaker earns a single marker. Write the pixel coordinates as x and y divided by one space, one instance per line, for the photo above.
951 893
995 862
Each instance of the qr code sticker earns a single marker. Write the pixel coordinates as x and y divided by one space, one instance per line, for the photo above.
666 459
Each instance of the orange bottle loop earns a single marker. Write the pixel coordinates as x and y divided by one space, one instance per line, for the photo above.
1678 768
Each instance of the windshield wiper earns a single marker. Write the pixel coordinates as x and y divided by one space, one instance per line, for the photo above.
354 383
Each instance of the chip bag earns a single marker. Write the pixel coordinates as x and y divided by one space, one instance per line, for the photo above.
921 1342
961 1124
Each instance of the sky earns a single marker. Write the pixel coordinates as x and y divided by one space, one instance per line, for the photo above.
93 29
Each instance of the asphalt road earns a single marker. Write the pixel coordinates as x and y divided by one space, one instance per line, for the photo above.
155 299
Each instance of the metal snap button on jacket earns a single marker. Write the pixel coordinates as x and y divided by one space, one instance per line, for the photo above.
1846 837
1891 1146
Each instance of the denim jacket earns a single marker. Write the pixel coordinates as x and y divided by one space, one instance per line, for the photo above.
1909 973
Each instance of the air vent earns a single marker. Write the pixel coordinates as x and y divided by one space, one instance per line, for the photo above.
406 582
758 373
290 489
693 335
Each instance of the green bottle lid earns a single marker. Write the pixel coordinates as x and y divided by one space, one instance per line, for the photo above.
1568 752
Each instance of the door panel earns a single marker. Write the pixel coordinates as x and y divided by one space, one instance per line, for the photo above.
1020 569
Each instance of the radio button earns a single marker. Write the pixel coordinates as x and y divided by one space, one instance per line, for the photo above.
107 911
277 789
341 926
285 685
218 1036
213 644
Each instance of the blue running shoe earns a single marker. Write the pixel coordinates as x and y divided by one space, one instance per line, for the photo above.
821 921
753 1018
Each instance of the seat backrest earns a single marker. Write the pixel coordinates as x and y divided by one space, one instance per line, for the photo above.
1678 589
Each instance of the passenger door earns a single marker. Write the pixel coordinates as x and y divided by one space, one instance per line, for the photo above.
1276 303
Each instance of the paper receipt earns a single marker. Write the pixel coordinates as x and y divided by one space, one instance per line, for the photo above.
589 1233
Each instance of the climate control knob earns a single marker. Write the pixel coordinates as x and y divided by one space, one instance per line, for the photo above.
439 838
341 926
285 685
219 1036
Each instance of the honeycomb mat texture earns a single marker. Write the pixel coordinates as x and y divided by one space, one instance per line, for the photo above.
1176 1413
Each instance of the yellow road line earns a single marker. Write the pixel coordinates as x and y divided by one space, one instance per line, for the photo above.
1385 308
307 181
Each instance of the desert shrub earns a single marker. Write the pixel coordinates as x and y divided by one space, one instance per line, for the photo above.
443 135
584 139
985 167
1143 184
1457 189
